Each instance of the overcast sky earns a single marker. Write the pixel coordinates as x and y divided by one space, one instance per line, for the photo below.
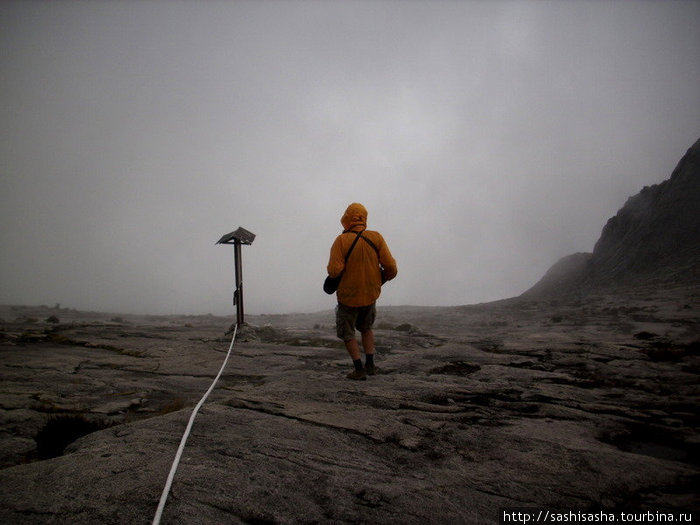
486 139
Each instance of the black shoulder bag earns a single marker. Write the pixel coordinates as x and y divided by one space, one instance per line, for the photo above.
330 285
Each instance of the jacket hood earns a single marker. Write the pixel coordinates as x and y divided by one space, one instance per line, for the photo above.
355 215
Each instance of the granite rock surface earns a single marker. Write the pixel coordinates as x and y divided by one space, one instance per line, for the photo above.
576 404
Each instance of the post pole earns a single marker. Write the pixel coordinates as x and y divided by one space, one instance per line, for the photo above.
239 283
238 238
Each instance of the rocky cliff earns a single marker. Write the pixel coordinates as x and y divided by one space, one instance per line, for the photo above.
655 237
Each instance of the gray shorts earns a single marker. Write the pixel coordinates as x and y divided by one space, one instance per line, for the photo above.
349 318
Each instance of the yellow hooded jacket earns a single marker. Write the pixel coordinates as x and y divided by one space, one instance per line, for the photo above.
361 284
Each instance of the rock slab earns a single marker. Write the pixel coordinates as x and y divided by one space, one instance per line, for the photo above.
579 404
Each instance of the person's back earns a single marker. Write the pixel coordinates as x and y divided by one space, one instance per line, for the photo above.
369 265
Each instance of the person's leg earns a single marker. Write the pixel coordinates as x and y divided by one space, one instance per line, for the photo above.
345 327
353 349
365 321
368 346
368 342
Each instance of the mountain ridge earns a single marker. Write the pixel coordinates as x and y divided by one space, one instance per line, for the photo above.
653 238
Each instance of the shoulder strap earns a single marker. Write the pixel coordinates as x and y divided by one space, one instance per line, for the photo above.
357 238
371 244
381 268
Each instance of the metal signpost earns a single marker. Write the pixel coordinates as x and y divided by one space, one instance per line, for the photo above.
237 238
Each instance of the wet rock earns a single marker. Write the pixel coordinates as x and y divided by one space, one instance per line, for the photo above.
502 408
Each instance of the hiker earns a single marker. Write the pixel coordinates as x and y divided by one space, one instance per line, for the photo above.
363 261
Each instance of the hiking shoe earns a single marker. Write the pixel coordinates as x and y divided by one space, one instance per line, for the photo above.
357 375
371 370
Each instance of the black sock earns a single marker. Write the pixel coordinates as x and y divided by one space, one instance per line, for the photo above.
369 359
357 363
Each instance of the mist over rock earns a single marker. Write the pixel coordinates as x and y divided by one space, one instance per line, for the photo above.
566 274
654 237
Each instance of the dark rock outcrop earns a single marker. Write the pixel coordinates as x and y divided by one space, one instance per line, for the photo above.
655 237
567 273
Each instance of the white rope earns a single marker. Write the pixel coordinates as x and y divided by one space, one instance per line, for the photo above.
176 462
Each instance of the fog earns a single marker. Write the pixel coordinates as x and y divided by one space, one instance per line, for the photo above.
486 139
